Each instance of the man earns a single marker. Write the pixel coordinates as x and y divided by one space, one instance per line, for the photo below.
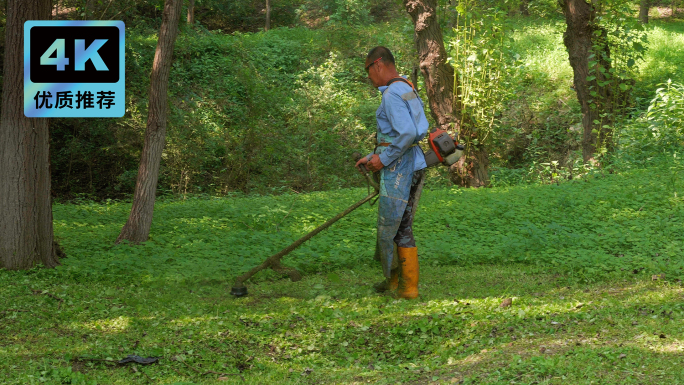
400 162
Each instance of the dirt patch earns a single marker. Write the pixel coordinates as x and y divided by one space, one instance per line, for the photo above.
78 366
664 12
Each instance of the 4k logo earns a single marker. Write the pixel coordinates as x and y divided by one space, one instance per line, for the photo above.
74 69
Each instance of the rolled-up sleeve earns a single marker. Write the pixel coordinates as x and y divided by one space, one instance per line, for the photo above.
400 119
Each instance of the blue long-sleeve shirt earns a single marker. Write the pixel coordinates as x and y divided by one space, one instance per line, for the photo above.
401 119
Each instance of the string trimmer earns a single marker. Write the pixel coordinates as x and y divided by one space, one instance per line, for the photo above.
273 262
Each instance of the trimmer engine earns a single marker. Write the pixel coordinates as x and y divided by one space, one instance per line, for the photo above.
443 149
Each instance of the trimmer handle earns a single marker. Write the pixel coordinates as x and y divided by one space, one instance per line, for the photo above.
366 173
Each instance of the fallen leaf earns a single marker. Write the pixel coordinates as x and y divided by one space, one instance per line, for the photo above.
623 355
506 302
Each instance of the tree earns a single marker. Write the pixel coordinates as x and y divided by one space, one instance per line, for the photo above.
644 6
268 15
579 39
191 12
137 228
441 85
26 234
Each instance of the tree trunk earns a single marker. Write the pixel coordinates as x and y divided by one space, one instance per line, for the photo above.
137 228
438 74
268 15
191 12
26 236
643 11
579 17
440 84
525 7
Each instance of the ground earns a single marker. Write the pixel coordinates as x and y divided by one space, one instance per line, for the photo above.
331 328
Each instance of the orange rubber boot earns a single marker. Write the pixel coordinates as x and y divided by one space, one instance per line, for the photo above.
408 258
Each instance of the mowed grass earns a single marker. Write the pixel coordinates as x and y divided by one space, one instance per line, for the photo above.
577 259
625 331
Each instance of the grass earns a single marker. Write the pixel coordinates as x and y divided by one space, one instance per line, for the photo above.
606 224
576 258
625 331
665 55
539 42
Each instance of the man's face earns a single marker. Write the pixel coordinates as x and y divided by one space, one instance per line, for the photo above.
373 70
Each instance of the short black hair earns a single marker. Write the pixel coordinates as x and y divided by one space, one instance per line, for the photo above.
382 52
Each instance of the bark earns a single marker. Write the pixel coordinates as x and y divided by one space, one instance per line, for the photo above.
268 15
137 228
26 235
438 74
440 81
191 12
471 169
579 17
643 11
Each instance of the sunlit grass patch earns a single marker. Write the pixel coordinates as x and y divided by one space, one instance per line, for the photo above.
111 325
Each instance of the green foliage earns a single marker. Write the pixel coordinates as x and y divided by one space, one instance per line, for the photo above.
352 12
666 115
273 112
540 123
619 43
265 112
484 67
659 129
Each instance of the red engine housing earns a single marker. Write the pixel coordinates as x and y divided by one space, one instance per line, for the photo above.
439 136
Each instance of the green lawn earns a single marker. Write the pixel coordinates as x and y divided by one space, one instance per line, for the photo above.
625 331
577 258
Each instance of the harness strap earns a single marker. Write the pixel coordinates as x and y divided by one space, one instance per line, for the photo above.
400 79
387 144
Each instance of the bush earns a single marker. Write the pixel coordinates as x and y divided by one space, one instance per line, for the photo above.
661 127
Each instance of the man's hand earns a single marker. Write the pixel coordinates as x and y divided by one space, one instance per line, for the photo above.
373 165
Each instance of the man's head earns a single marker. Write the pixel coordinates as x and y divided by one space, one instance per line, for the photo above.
380 66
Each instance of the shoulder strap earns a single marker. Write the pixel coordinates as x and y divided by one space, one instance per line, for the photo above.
400 79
